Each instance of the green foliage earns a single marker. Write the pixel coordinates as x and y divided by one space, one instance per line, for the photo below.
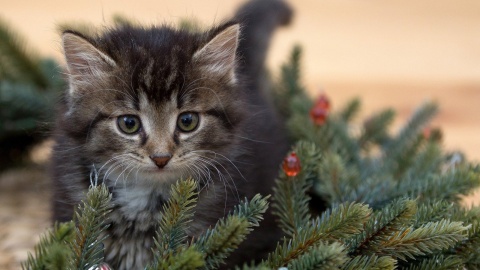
29 87
334 224
323 256
216 244
89 219
413 187
53 251
224 238
370 262
177 214
393 201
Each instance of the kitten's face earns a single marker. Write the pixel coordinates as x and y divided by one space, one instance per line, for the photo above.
154 111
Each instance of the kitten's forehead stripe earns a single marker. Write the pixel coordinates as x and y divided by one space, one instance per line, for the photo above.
148 74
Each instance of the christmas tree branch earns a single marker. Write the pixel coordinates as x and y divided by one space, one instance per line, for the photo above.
333 225
439 262
90 218
375 128
177 214
52 252
323 256
372 262
217 243
427 239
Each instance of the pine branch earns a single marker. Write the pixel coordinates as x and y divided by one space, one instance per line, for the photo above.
350 110
188 258
291 203
22 108
375 128
427 161
335 180
446 186
217 243
429 238
395 149
372 262
252 210
469 249
343 220
432 212
404 160
438 263
323 256
290 94
52 252
388 221
90 218
177 214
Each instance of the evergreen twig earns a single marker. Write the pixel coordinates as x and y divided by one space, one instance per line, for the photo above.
90 217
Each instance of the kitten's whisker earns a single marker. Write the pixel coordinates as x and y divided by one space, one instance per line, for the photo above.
252 140
108 161
123 173
114 166
207 181
191 84
69 149
131 170
203 172
221 175
224 178
226 158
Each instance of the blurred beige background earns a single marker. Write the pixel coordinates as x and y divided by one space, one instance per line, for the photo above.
395 53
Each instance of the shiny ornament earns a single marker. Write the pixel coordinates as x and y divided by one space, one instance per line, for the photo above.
318 114
291 164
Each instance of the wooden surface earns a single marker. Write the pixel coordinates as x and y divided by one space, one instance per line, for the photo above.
396 53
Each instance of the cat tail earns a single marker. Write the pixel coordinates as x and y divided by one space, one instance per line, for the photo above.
258 20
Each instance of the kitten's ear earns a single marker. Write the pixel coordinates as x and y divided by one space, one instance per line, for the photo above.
84 61
218 56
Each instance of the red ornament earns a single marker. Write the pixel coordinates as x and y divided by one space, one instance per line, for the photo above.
427 133
291 164
318 115
323 102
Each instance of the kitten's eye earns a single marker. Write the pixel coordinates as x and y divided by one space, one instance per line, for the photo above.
187 121
129 124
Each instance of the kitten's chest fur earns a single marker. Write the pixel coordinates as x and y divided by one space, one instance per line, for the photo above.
136 216
133 222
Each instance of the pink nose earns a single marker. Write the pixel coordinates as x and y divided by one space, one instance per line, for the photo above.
161 160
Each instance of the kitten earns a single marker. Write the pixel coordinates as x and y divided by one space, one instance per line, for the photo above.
147 106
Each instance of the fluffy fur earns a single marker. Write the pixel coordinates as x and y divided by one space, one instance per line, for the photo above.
156 74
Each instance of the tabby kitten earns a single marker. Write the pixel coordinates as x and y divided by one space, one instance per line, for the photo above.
147 106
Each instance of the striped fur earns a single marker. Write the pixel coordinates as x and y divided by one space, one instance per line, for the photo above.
156 74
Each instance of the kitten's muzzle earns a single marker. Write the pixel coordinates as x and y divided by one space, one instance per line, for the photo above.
161 160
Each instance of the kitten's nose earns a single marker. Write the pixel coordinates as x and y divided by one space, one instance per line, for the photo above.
161 160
